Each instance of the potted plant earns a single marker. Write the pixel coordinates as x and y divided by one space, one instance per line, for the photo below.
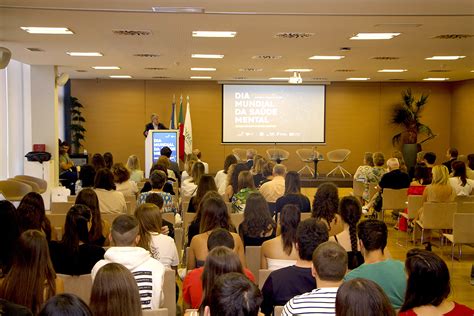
407 114
77 130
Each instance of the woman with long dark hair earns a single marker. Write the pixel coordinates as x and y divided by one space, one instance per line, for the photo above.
205 185
293 194
280 251
221 175
65 305
459 181
110 200
98 161
351 212
100 228
362 297
189 186
245 187
161 247
428 287
32 214
74 255
115 292
214 215
258 226
233 180
31 279
326 205
9 233
221 260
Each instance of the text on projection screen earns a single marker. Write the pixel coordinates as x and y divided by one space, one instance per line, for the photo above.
273 114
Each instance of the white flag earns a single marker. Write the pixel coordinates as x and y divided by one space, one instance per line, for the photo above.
188 131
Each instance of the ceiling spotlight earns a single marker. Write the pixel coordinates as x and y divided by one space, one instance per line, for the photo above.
296 79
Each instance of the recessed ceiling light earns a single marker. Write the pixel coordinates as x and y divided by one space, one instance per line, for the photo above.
214 34
391 70
211 56
200 77
85 54
357 79
299 70
177 10
47 30
121 76
326 57
435 79
444 57
472 70
203 69
279 78
106 67
374 36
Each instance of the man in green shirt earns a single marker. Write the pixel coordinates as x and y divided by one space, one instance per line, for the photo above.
387 273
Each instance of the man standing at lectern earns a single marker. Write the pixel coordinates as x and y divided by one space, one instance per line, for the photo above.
155 124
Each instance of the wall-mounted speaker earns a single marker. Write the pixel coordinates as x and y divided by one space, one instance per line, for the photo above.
5 55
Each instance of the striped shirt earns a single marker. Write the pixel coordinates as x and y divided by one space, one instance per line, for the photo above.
320 301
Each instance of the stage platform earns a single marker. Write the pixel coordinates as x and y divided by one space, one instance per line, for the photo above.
309 182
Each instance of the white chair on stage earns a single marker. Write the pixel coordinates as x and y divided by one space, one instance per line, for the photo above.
307 156
277 155
339 156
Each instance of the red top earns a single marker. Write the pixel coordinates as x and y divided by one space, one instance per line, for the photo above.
192 286
458 310
416 190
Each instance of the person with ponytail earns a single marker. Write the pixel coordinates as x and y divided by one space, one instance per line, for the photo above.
350 211
74 255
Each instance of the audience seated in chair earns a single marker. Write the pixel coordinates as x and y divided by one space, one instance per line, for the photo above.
351 212
192 283
133 164
74 255
293 194
459 181
234 294
362 297
167 187
9 233
233 180
257 169
329 267
205 185
158 180
109 160
387 273
285 283
32 215
167 228
214 215
110 200
280 251
274 189
31 279
115 292
428 287
100 229
245 187
86 178
122 180
65 304
98 161
161 247
451 155
325 207
221 175
198 154
258 226
173 165
189 186
148 271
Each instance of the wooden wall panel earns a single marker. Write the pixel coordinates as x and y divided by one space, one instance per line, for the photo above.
462 127
357 117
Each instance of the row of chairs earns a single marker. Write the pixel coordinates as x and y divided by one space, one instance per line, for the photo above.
14 189
306 155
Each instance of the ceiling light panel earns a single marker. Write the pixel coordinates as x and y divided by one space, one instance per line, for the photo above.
214 34
374 36
435 79
200 77
445 57
298 70
208 56
120 77
106 67
177 10
392 70
85 54
47 30
357 79
279 78
203 69
320 57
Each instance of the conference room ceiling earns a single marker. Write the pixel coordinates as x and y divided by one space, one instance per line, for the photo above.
328 25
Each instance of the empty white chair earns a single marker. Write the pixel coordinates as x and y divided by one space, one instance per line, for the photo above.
277 155
307 156
339 156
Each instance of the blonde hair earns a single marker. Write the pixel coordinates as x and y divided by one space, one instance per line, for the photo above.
440 174
133 163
